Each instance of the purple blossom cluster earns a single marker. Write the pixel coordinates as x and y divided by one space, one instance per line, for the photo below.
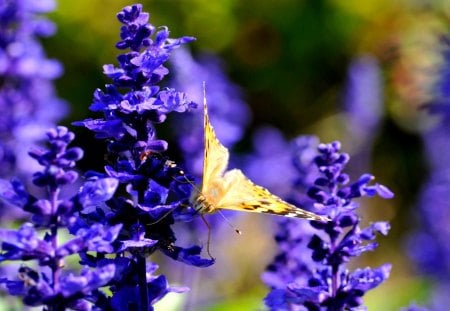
45 280
310 270
28 101
155 187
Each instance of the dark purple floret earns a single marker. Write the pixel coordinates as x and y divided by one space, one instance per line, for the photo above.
136 31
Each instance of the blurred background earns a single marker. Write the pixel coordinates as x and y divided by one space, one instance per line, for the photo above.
354 71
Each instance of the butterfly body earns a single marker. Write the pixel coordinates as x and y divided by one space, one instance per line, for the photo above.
232 190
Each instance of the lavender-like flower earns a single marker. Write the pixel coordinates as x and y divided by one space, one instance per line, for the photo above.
49 283
310 271
155 191
27 99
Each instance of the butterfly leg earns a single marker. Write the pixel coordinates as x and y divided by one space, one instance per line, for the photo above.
209 236
163 216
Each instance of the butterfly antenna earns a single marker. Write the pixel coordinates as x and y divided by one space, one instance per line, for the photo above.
209 236
162 217
196 189
181 172
189 182
229 223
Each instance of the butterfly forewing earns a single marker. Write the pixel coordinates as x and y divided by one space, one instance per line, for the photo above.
216 156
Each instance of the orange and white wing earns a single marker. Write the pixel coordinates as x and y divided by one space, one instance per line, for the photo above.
233 190
215 159
241 194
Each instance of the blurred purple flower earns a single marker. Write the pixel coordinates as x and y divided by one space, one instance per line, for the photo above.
272 155
310 270
428 246
28 101
440 103
363 98
363 107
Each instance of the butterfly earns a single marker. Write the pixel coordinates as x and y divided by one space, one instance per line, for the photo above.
232 190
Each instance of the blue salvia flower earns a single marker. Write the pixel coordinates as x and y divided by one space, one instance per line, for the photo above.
321 281
48 282
27 99
155 191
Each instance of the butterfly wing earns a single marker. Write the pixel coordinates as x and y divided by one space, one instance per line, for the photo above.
233 190
215 159
241 194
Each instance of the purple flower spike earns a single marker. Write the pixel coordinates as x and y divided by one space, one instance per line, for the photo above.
28 102
130 117
153 190
310 271
50 284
